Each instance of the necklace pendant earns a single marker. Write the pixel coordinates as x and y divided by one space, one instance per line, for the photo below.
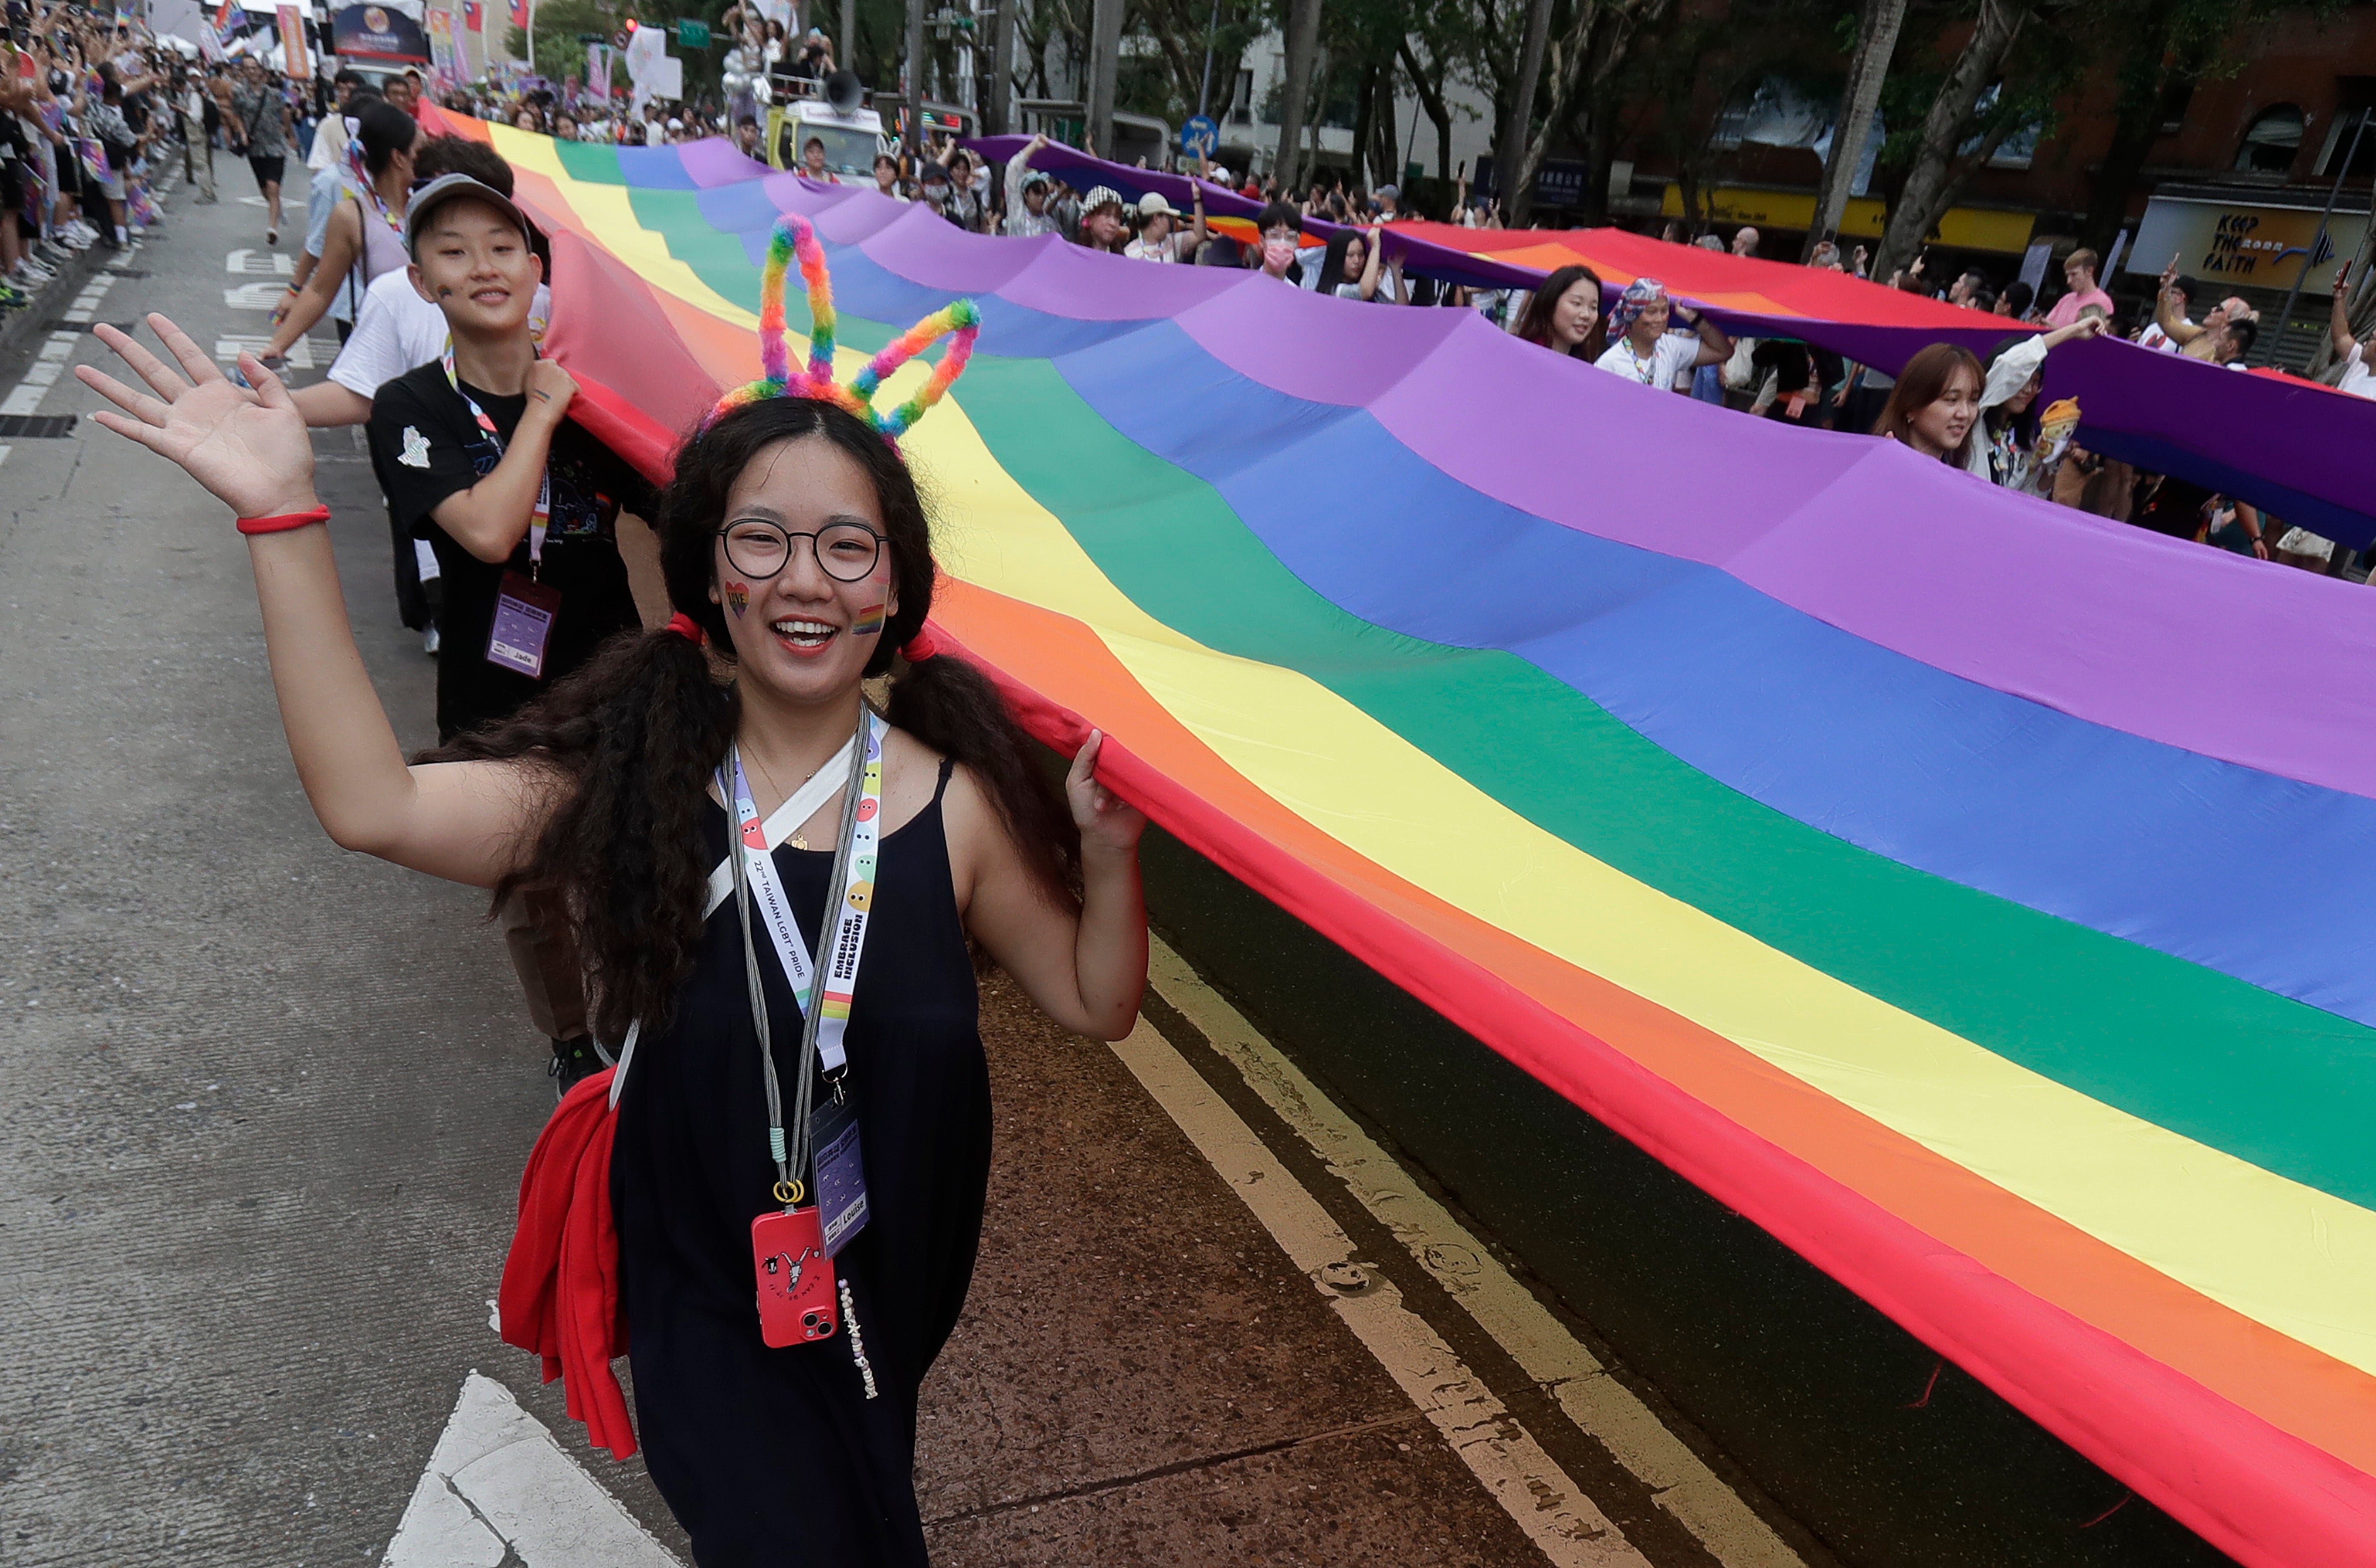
797 842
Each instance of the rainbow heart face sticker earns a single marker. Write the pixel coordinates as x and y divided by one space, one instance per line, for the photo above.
738 598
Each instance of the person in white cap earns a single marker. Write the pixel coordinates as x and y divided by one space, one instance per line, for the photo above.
1160 238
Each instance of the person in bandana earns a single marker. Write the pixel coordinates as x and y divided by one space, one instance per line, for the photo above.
1640 348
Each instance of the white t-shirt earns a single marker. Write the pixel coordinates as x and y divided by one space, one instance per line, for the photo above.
398 330
2358 379
1139 250
1671 355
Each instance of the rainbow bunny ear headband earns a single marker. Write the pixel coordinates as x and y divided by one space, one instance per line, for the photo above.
959 321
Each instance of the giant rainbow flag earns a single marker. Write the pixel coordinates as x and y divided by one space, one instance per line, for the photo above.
1980 896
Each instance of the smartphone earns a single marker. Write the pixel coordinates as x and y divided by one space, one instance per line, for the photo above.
797 1304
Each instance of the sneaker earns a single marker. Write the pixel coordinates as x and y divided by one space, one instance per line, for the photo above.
208 200
56 248
272 237
573 1060
429 639
31 274
82 228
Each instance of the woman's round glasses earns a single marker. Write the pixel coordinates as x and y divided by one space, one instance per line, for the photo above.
758 550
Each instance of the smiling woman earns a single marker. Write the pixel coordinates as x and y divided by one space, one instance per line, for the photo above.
678 773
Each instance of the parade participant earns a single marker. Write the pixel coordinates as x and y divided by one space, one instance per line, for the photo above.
2006 450
1160 238
798 554
1935 404
2351 349
1564 315
886 177
362 240
1352 269
259 122
813 162
1640 348
1029 207
1281 228
1102 225
478 455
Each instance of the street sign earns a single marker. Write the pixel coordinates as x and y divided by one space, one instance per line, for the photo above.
1199 137
692 33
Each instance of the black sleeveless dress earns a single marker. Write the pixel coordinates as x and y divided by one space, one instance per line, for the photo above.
776 1457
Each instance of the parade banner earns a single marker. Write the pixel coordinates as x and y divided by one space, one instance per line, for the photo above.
443 63
379 32
295 59
1930 875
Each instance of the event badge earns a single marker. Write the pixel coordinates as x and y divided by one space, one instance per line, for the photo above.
795 1278
524 612
840 1172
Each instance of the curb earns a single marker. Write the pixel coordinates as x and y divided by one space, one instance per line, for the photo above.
39 318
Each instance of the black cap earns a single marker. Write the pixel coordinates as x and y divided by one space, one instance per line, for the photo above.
444 188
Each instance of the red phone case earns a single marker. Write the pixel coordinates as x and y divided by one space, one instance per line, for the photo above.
796 1295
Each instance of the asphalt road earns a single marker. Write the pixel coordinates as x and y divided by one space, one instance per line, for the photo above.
266 1105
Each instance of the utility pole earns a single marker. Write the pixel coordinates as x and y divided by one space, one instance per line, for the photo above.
1105 64
845 48
1303 41
1518 201
1001 65
912 92
1205 88
1877 32
2286 316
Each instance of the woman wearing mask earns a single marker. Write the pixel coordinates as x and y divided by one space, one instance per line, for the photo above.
1563 316
1639 347
1282 233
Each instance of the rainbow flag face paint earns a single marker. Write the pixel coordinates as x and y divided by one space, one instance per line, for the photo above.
869 621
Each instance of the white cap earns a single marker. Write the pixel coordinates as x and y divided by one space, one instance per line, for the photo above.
1152 205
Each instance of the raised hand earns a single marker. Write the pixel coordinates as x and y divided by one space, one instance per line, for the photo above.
248 447
1106 820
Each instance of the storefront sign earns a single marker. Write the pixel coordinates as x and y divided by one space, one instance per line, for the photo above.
2258 245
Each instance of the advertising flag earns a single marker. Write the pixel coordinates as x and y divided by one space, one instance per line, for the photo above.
294 60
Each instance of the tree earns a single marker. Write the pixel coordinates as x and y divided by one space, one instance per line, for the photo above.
1931 184
1303 37
1877 33
1513 171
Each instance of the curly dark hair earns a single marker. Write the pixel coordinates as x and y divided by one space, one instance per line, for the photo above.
635 733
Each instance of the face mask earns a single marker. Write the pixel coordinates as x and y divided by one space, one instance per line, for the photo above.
1279 253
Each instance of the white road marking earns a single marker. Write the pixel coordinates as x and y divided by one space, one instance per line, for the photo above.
252 296
228 349
259 264
1544 1349
1562 1522
42 374
3 453
497 1489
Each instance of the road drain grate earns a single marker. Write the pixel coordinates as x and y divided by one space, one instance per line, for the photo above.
35 427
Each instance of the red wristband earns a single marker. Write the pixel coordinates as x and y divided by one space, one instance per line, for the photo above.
285 522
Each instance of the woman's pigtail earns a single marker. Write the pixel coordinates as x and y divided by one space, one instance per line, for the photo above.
951 707
636 733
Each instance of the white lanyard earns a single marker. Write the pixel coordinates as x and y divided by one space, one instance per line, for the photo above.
845 941
802 805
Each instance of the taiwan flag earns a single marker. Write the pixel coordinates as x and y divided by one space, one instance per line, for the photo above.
519 14
470 16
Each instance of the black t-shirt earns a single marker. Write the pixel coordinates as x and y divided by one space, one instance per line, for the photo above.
425 446
2175 509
